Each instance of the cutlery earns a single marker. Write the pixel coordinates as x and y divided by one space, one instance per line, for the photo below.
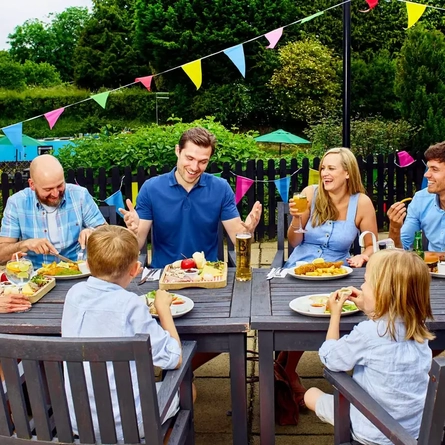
64 258
149 275
271 273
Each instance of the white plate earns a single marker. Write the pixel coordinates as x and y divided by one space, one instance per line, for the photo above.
332 277
178 310
69 277
437 274
301 305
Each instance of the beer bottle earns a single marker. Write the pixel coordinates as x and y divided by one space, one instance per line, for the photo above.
418 244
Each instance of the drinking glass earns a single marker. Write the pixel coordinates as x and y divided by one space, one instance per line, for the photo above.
300 202
19 272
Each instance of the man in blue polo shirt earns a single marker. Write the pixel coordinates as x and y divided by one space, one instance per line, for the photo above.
185 206
426 212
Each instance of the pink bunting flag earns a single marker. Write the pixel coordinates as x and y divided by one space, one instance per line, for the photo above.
405 159
52 116
273 37
146 81
242 185
372 4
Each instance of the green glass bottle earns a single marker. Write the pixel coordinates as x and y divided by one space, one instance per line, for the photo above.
418 244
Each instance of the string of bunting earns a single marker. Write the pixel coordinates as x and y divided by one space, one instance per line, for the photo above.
193 69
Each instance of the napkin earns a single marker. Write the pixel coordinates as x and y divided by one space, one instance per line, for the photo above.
156 275
145 272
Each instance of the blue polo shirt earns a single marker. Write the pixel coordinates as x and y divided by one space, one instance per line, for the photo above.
185 222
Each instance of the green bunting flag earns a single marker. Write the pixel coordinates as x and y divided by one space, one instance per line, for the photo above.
218 175
101 98
307 19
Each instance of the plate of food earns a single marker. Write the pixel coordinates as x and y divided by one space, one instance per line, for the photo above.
64 270
315 306
35 289
180 306
320 270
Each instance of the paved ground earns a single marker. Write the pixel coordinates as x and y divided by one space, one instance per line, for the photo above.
212 422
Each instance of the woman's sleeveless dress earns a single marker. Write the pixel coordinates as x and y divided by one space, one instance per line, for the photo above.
330 241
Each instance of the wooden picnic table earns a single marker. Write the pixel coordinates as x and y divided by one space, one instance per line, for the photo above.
281 329
219 322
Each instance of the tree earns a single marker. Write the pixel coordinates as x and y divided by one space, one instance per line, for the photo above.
420 84
306 86
40 74
105 56
53 42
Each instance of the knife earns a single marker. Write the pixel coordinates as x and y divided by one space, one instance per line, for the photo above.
64 258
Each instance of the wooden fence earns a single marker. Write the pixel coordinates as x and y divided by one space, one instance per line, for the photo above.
384 181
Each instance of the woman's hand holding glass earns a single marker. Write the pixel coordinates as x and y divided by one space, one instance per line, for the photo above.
297 206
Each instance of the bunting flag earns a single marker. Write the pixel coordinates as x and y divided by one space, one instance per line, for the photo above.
282 186
311 17
14 134
372 4
52 116
415 11
314 177
273 37
217 175
405 159
236 55
193 70
242 185
146 81
134 192
117 200
101 98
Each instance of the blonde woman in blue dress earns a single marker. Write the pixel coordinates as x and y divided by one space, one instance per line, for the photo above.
337 211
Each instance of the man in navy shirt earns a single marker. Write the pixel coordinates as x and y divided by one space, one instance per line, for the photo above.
185 206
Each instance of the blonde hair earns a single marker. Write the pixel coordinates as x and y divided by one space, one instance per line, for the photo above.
401 284
112 250
324 208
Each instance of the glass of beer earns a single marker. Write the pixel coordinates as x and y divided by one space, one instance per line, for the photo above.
243 252
300 203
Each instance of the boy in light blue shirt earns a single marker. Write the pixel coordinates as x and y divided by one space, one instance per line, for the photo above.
101 307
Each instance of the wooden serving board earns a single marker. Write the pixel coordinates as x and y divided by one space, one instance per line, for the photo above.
214 284
42 291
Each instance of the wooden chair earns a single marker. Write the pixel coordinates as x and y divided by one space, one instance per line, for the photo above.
46 418
284 220
109 213
347 391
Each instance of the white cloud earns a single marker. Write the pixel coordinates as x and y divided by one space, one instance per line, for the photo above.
16 12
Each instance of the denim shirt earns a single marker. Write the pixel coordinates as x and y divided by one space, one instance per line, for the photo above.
394 373
25 218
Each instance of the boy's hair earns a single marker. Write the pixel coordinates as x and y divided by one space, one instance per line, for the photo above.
401 284
436 152
200 137
325 209
111 252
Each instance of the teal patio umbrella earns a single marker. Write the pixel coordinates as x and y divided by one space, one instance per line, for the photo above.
281 137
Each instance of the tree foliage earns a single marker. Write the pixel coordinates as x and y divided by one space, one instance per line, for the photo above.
307 85
420 84
105 56
53 42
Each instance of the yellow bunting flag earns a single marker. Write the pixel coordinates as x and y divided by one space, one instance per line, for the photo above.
313 177
193 70
134 192
415 11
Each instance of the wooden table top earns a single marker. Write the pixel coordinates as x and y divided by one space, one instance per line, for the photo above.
224 310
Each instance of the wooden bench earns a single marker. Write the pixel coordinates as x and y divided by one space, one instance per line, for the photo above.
347 391
46 419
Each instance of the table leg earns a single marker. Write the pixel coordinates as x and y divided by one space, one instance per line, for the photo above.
238 388
267 396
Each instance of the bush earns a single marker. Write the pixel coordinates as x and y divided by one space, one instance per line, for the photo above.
154 146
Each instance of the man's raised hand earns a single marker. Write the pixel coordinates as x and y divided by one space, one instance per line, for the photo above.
131 217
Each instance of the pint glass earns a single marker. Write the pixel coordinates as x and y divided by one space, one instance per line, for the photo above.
243 251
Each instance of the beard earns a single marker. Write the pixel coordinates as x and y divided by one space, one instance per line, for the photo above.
49 201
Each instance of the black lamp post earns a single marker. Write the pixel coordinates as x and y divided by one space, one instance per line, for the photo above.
347 74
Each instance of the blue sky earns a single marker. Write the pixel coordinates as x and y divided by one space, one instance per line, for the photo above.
16 12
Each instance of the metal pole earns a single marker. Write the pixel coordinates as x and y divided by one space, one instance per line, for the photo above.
347 74
157 109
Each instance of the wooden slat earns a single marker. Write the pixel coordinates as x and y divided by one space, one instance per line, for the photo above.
81 403
125 396
56 389
16 397
6 427
37 399
104 406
